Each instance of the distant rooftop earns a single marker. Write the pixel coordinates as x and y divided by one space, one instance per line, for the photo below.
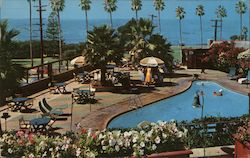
239 44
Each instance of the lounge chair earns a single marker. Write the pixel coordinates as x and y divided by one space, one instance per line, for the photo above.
232 72
47 106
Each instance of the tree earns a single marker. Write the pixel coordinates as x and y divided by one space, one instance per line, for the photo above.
57 6
110 6
103 46
134 35
162 50
30 30
180 14
52 33
223 55
159 6
10 74
241 9
200 12
136 6
221 13
6 35
85 5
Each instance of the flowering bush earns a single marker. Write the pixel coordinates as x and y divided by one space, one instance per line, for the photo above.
243 132
154 137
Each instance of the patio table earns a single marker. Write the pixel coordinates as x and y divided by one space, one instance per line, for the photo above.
40 124
20 103
60 85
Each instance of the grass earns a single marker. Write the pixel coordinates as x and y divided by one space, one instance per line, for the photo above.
176 53
37 61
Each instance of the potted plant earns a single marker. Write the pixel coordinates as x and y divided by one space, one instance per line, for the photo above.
242 139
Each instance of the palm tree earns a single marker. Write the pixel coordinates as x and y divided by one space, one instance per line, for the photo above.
103 46
6 35
221 13
85 5
159 6
10 74
135 35
180 14
110 6
58 6
241 9
30 30
136 6
200 12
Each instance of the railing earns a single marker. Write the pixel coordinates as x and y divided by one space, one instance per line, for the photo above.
47 70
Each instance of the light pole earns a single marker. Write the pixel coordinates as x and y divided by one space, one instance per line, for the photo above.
196 103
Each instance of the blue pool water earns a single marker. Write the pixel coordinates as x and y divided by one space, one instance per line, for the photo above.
180 108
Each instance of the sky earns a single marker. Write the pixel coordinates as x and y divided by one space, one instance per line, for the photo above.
19 9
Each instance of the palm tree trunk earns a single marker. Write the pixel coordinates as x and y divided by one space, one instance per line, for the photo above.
60 41
159 20
180 33
87 24
201 31
220 28
103 76
111 22
240 26
31 53
136 15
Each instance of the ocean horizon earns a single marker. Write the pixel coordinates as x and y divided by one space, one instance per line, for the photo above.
73 19
74 31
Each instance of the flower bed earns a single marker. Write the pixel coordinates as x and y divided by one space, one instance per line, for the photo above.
242 139
152 138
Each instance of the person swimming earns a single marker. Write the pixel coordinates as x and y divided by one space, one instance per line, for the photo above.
218 93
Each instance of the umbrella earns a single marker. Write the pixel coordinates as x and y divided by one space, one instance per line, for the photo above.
78 61
244 55
151 62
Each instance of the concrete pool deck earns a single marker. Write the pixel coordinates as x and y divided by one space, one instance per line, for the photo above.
99 119
111 104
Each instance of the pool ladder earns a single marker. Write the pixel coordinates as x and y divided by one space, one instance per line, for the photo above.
135 102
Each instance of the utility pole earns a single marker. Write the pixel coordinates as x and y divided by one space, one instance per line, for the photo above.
40 10
31 51
215 28
152 17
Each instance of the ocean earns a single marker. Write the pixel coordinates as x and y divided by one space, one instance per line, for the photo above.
73 21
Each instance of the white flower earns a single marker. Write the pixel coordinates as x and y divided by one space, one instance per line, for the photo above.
157 140
141 152
50 149
104 147
117 148
31 155
119 142
44 154
142 144
112 142
164 135
78 152
154 147
10 150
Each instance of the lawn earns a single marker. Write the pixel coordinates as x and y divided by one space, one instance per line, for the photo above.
37 61
176 53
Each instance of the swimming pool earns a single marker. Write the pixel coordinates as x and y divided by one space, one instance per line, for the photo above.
180 108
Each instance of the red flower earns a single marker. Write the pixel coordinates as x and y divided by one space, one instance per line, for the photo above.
84 131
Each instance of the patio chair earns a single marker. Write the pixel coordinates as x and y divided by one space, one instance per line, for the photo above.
47 106
52 88
9 102
24 125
